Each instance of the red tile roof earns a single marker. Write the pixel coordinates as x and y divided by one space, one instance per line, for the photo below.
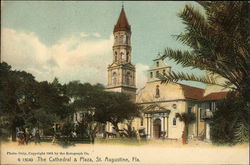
215 96
122 23
192 92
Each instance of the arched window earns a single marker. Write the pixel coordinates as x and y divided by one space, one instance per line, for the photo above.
123 56
157 74
115 56
114 78
151 74
174 106
127 78
157 64
121 38
157 91
125 39
163 72
127 56
141 121
174 121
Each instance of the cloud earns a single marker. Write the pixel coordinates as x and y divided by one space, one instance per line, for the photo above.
83 34
24 50
96 34
71 58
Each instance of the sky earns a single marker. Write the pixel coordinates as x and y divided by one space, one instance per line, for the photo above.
72 40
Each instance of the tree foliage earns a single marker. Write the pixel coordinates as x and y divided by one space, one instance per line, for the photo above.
99 106
26 103
219 43
230 122
115 108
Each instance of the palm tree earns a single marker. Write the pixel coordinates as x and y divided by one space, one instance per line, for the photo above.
219 42
187 119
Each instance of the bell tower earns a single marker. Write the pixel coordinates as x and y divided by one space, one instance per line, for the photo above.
121 73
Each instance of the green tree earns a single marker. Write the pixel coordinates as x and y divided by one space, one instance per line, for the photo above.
129 131
17 99
100 106
53 99
83 98
218 42
66 131
187 119
27 103
229 124
115 108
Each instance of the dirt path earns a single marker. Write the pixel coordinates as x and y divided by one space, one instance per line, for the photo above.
153 153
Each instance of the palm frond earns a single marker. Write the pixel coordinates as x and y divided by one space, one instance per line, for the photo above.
179 76
241 132
204 4
193 19
219 42
185 58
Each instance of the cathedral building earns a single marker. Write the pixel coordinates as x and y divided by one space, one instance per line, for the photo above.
160 101
121 73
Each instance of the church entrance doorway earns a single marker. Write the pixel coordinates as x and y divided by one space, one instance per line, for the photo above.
157 128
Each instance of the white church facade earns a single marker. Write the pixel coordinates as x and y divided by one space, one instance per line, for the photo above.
162 101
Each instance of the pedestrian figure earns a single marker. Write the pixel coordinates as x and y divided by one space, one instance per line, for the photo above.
138 137
37 137
74 134
54 139
27 136
20 137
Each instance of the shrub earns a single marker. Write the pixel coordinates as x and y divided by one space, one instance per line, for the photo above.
229 124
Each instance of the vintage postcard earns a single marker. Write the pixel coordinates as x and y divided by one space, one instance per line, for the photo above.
124 82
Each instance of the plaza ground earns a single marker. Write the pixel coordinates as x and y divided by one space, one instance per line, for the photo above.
150 152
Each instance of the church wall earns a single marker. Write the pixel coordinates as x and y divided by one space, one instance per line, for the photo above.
113 90
136 124
201 128
110 77
168 91
174 131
